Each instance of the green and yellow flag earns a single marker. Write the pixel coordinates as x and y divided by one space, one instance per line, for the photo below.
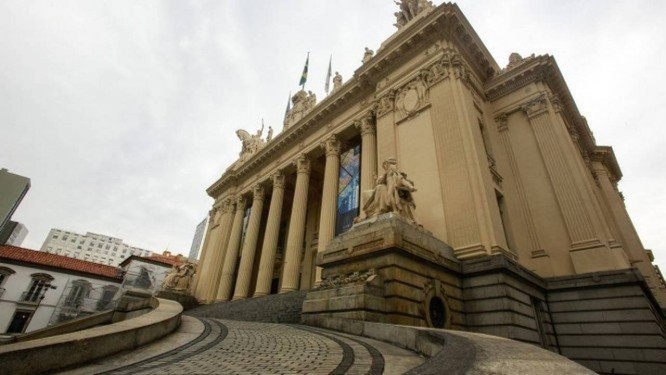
304 76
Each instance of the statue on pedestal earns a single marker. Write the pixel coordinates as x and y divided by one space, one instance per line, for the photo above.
367 55
392 193
409 9
337 82
302 103
179 278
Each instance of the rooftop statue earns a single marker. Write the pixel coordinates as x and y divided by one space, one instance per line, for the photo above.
337 82
392 193
302 103
409 9
251 143
367 55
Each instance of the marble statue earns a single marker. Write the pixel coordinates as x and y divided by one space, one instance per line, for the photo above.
251 143
269 136
409 9
337 82
367 55
179 278
392 193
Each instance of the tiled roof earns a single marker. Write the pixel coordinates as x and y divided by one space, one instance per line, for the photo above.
58 261
172 260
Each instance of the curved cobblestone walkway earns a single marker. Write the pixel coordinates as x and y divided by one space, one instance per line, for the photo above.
236 347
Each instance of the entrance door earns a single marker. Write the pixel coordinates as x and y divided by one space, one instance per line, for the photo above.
19 322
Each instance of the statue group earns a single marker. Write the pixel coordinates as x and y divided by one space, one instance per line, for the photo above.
410 9
179 278
392 193
302 103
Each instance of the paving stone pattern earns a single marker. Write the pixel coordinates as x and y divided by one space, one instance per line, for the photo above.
236 347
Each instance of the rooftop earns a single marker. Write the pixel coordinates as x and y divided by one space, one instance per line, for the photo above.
20 254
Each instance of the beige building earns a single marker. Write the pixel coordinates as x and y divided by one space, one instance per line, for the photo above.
503 161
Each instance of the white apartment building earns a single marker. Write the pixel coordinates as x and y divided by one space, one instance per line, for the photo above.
90 247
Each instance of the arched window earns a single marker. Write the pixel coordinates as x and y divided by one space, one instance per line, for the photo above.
105 303
40 283
4 275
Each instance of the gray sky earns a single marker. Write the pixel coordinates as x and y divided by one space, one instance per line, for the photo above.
122 113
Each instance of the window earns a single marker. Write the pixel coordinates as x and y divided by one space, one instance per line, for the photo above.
82 241
107 247
79 247
4 275
115 248
105 303
80 290
64 238
39 285
99 245
73 240
55 236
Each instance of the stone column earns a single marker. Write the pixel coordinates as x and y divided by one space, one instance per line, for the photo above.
329 197
267 261
250 246
292 259
232 252
368 153
204 260
217 259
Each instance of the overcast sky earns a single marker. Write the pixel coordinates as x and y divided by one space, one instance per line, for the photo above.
122 113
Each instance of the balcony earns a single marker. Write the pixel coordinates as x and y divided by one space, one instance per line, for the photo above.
31 298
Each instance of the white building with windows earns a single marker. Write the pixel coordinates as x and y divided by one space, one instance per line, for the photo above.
90 247
39 289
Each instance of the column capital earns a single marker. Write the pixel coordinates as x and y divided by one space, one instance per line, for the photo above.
278 180
258 193
302 164
365 125
535 106
555 102
332 146
241 202
502 121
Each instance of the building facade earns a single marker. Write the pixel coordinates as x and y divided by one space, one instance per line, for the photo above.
13 233
519 228
90 247
503 160
39 289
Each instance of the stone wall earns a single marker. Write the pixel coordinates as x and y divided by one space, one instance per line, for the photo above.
608 321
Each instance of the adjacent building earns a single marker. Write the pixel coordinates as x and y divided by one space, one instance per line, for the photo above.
38 289
13 233
12 190
197 240
91 247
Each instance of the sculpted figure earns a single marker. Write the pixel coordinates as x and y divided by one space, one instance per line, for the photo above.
310 101
299 106
392 193
410 9
185 276
251 143
171 279
368 55
269 136
337 82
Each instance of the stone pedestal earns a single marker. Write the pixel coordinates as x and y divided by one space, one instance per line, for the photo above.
388 270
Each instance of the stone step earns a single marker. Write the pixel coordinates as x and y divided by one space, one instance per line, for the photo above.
273 308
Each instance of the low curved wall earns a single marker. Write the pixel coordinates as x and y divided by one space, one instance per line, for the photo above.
57 352
457 352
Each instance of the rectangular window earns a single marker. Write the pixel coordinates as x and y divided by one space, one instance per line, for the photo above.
79 247
107 247
349 182
55 236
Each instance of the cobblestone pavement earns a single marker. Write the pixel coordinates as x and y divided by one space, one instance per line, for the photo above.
212 346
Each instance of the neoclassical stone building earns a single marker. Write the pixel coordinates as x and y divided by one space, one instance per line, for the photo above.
504 164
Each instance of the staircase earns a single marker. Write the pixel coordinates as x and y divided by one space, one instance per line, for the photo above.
273 308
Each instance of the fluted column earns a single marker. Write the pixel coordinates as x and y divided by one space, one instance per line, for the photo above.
250 246
292 259
267 261
204 260
231 255
217 259
329 197
368 153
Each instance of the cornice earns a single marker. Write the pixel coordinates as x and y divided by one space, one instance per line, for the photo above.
544 69
606 156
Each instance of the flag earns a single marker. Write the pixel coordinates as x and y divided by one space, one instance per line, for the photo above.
328 75
288 106
304 76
